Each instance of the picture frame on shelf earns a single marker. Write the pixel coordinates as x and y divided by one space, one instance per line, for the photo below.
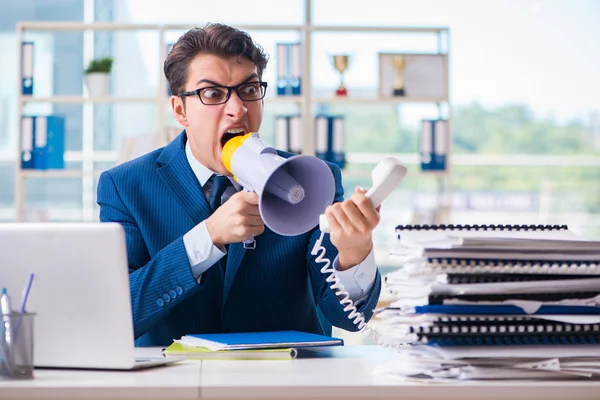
412 75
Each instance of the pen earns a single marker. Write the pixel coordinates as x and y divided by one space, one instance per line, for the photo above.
26 290
26 293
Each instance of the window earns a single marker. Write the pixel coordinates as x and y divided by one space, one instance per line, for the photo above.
524 104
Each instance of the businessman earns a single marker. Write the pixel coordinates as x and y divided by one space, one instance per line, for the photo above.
185 218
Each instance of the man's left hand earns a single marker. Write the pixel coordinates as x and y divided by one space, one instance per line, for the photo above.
351 223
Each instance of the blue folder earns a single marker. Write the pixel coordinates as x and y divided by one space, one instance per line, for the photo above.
259 340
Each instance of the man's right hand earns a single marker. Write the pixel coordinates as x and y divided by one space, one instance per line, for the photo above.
236 220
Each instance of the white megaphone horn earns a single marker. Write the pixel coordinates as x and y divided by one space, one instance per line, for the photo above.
292 192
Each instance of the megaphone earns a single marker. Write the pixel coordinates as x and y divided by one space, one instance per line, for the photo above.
292 192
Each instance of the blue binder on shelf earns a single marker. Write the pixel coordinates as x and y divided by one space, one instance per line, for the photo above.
27 68
434 145
49 142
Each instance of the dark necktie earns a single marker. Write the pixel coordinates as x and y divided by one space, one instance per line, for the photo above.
219 184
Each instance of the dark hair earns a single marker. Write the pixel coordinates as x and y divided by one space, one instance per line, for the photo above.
218 39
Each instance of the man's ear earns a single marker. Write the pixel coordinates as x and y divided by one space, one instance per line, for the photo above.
178 108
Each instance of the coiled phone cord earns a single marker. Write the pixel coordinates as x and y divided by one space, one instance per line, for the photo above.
343 296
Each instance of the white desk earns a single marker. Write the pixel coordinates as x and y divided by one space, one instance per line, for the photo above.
346 376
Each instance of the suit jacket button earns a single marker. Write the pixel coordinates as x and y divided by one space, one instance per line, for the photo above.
160 302
166 298
179 290
172 293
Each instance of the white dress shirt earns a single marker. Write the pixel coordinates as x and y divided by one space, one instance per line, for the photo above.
203 254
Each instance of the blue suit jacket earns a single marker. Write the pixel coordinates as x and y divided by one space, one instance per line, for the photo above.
276 286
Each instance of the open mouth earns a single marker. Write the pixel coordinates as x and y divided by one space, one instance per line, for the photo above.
231 133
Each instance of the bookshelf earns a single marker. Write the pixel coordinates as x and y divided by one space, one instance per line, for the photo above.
81 99
306 103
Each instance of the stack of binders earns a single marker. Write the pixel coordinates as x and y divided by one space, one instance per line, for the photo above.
329 139
42 142
289 69
493 302
329 136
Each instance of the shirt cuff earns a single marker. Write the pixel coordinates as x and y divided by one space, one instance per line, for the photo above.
201 250
358 280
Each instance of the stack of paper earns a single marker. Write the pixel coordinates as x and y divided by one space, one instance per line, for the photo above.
488 302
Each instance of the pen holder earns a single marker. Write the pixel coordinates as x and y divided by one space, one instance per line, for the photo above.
16 346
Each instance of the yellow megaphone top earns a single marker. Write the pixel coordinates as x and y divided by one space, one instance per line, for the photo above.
230 147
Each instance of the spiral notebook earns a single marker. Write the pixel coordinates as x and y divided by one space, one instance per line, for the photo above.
499 324
460 265
487 331
424 234
589 285
525 276
508 339
537 254
568 298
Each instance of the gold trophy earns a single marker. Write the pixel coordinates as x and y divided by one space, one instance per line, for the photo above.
399 63
341 62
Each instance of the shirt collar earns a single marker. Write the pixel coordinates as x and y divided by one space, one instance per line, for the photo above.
202 172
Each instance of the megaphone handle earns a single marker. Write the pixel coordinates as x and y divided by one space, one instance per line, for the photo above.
249 243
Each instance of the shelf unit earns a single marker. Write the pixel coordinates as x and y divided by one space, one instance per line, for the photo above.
306 102
81 99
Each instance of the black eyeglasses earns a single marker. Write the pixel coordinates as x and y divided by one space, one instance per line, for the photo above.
213 95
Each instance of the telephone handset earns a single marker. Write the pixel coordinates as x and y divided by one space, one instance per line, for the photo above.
386 176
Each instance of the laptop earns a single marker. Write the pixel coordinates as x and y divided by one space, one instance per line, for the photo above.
80 293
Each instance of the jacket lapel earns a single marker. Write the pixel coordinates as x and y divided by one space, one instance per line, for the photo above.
176 173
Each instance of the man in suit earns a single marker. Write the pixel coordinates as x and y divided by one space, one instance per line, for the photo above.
186 219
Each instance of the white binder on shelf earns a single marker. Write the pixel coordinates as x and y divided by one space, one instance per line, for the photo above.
295 126
281 133
40 142
338 153
282 68
27 155
322 136
295 68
